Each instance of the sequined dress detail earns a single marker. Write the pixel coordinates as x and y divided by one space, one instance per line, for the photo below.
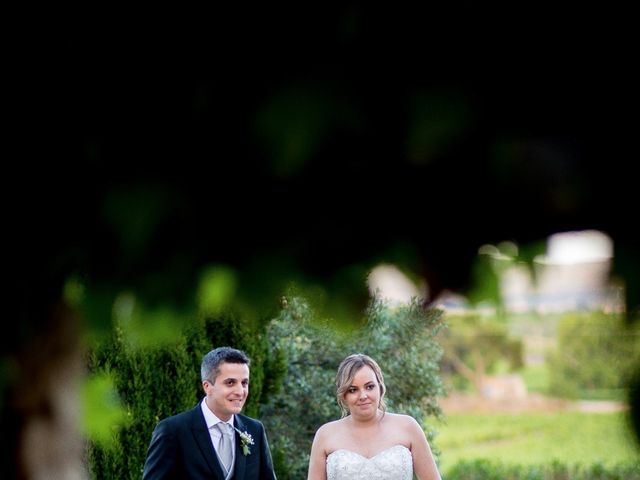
394 463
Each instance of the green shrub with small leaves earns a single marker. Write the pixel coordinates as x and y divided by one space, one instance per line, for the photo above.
152 383
401 339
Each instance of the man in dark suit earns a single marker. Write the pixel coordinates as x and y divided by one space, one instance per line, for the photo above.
213 440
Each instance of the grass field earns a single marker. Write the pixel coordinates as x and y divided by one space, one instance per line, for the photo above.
536 438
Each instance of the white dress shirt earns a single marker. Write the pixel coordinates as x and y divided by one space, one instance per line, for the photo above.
215 434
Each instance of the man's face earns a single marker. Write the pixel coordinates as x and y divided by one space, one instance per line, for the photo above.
226 396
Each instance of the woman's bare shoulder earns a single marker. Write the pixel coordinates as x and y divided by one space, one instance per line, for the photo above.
330 428
399 417
401 420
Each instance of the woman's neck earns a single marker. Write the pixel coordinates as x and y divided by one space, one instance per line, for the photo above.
367 422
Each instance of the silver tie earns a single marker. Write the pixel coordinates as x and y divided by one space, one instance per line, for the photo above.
224 447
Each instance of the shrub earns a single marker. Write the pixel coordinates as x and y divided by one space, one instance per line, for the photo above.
306 400
152 383
155 382
594 351
484 469
401 339
475 346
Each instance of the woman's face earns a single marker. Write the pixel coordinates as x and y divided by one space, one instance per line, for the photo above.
363 395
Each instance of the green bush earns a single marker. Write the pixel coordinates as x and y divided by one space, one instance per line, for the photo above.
155 382
488 470
595 352
312 354
152 383
401 339
475 346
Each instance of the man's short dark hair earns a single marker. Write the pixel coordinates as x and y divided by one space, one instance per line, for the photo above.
211 361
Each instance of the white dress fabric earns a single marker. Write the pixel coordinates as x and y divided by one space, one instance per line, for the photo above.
394 463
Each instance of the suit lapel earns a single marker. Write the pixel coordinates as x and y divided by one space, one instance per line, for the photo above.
203 439
240 457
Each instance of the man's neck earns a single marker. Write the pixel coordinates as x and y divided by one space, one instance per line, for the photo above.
224 418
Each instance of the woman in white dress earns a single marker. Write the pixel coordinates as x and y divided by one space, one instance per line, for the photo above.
367 443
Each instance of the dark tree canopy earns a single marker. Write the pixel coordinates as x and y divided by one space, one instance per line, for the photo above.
307 144
316 140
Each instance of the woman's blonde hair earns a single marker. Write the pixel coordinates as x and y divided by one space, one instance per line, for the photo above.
344 378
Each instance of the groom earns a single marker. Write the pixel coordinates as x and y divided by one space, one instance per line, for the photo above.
213 440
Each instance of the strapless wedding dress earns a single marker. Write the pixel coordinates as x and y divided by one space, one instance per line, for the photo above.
394 463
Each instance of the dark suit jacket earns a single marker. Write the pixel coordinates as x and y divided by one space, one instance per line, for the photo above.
181 448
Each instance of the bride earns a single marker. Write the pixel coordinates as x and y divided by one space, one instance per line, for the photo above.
368 443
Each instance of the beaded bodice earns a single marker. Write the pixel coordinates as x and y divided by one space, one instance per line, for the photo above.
394 463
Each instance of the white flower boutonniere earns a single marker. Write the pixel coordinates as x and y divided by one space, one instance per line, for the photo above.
245 440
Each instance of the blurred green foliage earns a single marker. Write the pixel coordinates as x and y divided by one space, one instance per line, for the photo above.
476 345
103 412
485 469
534 438
217 287
595 351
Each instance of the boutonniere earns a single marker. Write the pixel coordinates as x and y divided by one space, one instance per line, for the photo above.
245 440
